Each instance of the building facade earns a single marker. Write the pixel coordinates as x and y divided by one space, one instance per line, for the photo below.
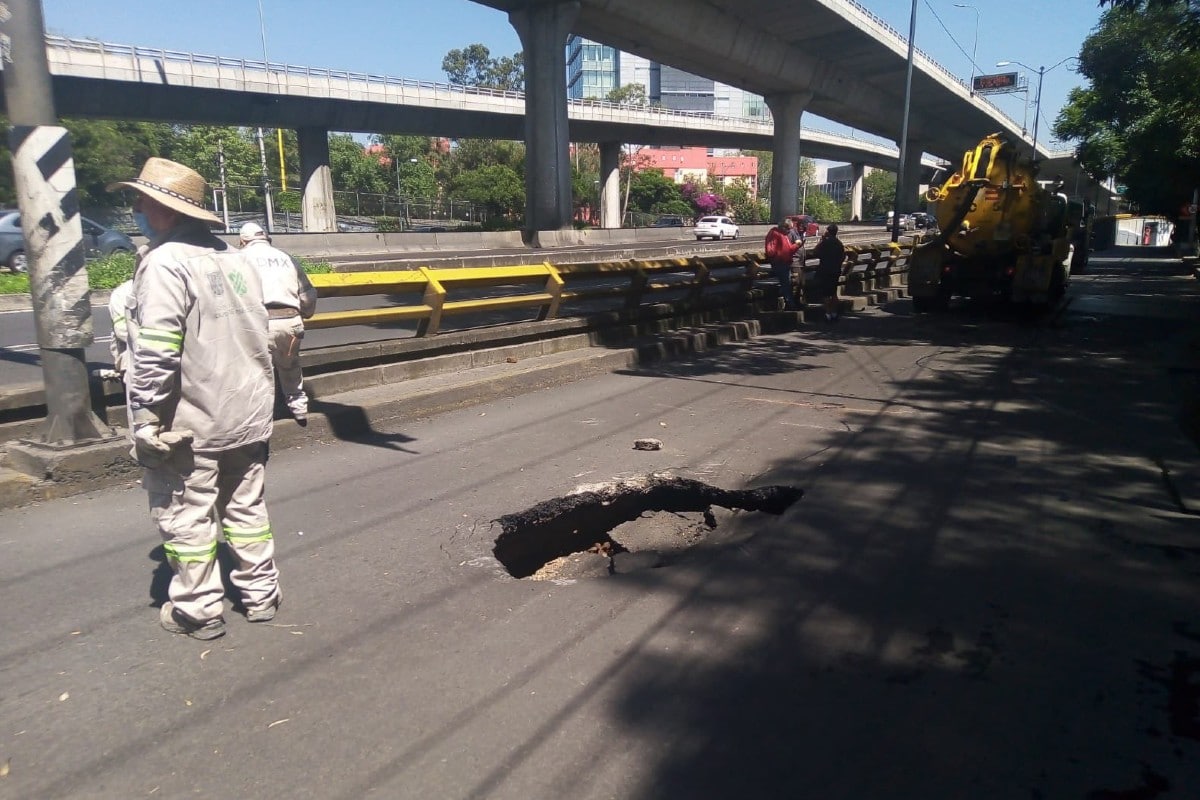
594 70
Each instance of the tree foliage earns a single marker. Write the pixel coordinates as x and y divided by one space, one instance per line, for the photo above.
631 94
1139 120
879 193
473 65
651 192
823 207
497 187
743 205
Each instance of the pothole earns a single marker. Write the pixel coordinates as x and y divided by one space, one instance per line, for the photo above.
618 527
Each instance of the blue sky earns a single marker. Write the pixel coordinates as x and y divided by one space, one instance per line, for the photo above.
408 38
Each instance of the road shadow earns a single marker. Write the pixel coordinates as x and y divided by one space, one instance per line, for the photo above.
981 595
350 423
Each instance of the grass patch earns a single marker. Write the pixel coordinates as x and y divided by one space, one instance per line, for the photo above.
109 272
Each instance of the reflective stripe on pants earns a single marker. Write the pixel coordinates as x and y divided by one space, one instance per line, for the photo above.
188 495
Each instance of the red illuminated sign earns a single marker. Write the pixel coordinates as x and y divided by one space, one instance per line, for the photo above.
996 83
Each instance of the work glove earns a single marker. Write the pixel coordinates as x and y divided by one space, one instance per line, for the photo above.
110 375
151 444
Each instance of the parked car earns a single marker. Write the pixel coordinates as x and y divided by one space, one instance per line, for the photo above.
97 240
716 228
669 221
922 219
906 223
806 224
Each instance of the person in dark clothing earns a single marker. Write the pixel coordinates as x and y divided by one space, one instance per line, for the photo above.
831 255
779 249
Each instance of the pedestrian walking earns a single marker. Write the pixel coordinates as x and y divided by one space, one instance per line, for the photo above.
779 250
200 398
831 255
290 299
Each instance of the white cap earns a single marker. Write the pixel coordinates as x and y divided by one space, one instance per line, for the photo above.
252 232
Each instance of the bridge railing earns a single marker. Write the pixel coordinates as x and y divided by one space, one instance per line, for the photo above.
427 296
125 62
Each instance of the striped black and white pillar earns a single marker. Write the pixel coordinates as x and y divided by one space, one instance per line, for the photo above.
44 178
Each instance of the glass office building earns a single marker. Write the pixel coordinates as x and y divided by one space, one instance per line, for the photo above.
594 70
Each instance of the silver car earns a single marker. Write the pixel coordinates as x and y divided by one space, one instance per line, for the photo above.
97 241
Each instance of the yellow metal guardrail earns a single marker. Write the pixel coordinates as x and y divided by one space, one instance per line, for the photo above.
430 289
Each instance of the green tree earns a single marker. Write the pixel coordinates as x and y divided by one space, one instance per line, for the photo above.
631 94
497 187
353 170
824 207
879 193
197 146
651 192
743 205
473 65
1140 119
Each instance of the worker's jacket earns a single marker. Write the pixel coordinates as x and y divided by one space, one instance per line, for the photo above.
779 248
198 340
283 281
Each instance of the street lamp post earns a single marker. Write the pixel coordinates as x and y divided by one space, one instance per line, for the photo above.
975 46
901 178
1037 100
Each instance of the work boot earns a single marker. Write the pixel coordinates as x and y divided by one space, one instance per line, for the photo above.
265 613
174 621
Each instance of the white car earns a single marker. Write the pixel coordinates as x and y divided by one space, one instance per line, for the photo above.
715 228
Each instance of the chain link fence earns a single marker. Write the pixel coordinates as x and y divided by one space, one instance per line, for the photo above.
356 211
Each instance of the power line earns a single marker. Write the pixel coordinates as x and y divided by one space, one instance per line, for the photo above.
951 36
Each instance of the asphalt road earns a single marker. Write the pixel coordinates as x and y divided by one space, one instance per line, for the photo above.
987 591
20 363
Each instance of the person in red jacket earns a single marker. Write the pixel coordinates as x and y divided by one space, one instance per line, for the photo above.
779 249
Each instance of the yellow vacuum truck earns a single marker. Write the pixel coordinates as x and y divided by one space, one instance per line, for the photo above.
1002 235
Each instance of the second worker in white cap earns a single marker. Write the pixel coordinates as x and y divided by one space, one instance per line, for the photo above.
290 299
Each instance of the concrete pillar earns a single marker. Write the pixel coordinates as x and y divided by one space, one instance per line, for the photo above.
316 182
856 191
610 184
907 196
786 110
543 30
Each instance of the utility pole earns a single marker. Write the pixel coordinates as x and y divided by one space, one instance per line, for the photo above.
44 174
901 178
224 184
266 183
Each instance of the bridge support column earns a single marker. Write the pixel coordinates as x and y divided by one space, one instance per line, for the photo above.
543 30
319 213
610 185
786 110
856 191
907 196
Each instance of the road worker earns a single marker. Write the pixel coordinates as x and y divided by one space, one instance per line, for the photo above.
290 299
200 397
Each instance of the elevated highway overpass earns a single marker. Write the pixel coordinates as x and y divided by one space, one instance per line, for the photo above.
844 64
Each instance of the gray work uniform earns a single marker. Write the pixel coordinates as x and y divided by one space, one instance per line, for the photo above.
118 348
199 358
290 299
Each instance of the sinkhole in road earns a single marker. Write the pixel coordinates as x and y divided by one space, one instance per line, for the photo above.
624 525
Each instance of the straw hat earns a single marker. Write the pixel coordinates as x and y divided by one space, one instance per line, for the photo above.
177 187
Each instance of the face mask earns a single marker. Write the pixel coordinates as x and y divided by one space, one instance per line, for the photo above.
143 224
